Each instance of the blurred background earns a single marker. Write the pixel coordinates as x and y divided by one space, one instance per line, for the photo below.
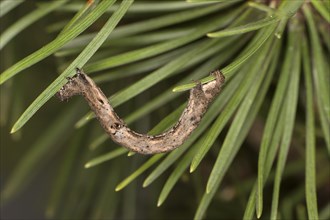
43 164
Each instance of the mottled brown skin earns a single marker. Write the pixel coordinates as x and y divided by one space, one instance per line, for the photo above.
200 98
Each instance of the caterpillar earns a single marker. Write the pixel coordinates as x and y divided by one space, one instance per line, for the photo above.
199 99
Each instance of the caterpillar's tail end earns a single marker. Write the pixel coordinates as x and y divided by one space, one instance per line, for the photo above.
73 86
219 77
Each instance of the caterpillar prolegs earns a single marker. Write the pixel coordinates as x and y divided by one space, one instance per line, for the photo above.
199 99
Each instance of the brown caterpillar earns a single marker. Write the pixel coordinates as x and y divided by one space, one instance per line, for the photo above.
200 98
